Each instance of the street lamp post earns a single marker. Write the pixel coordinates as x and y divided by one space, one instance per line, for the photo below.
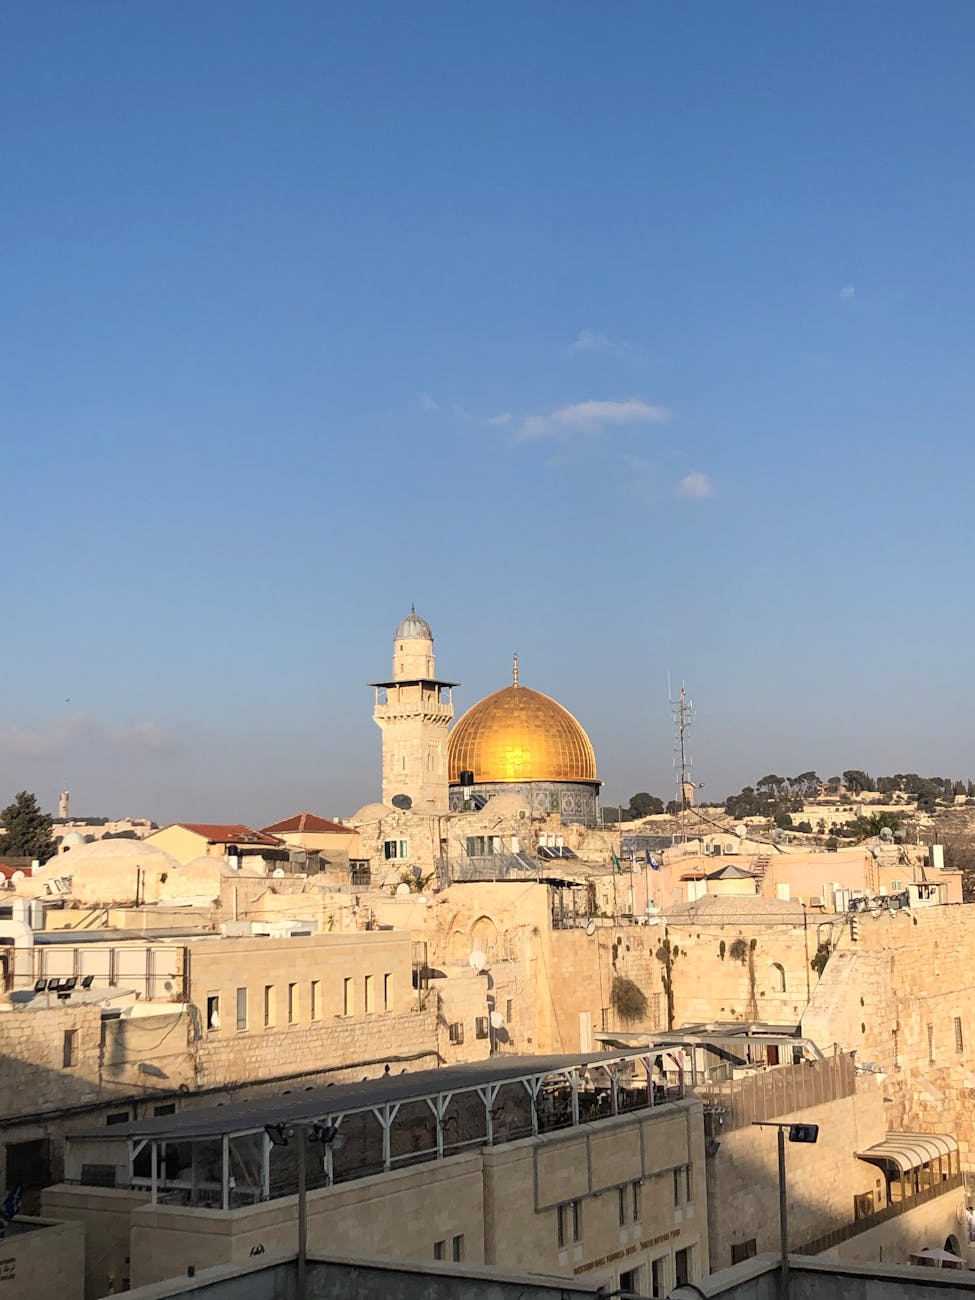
796 1133
305 1132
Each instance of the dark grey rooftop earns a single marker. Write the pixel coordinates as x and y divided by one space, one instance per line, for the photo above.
341 1098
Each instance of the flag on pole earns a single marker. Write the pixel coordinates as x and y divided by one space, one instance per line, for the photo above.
616 862
652 861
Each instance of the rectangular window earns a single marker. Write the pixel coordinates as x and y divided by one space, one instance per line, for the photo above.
360 874
509 1010
635 1187
315 1002
569 1222
959 1036
348 997
213 1012
70 1048
930 1044
688 1184
604 1014
369 1002
241 1008
396 850
456 1033
387 992
458 1248
117 1117
743 1250
482 1027
440 1250
167 1108
677 1182
270 1006
292 1003
621 1192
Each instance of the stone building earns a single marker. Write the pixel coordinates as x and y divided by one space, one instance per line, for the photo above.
414 709
575 1166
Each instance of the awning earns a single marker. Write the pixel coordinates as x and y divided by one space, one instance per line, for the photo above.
910 1150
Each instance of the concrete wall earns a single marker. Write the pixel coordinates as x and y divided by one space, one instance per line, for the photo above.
42 1258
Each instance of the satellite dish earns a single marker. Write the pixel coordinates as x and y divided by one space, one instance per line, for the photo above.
402 801
277 873
496 1019
477 960
402 890
590 927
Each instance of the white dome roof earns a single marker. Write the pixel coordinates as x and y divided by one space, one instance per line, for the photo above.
120 852
371 812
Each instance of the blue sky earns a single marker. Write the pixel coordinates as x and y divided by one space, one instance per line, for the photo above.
633 338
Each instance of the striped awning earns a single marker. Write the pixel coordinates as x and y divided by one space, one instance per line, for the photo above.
910 1150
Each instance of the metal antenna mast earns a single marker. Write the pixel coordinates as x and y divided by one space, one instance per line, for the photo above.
683 715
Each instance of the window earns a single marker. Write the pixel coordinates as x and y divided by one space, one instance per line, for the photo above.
509 1010
863 1205
117 1117
635 1189
315 1001
676 1188
270 1006
396 849
743 1250
360 873
688 1183
440 1250
348 997
292 1003
241 1008
959 1036
458 1245
213 1012
604 1017
167 1108
569 1216
97 1175
896 886
70 1048
778 977
387 992
931 1044
455 1032
369 1002
482 1027
621 1192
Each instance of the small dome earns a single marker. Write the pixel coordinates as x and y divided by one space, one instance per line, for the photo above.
73 839
371 812
413 627
122 852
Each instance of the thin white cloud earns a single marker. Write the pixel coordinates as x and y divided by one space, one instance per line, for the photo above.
848 292
696 486
590 417
81 730
500 420
590 341
427 404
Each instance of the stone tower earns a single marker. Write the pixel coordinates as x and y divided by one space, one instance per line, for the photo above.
414 710
64 806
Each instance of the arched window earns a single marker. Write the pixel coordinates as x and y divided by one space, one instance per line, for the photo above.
778 977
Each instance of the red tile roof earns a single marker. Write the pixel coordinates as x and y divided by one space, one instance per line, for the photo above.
217 834
307 821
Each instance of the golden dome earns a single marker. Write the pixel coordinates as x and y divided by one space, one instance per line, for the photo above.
520 735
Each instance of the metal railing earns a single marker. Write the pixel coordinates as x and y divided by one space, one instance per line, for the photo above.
779 1090
827 1240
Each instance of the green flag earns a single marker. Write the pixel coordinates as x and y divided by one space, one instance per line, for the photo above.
616 862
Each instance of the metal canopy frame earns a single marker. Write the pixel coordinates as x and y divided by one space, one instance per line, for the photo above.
604 1079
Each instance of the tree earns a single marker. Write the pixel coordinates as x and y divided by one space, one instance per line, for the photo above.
857 780
644 805
28 830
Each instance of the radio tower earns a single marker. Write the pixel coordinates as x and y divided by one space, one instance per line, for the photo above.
683 715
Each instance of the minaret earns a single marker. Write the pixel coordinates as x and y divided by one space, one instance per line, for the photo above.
414 710
64 806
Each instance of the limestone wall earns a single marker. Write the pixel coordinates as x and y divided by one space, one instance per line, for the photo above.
42 1258
901 996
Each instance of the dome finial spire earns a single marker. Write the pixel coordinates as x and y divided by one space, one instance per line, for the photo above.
514 669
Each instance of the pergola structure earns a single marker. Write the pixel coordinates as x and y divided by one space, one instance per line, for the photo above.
914 1162
232 1155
